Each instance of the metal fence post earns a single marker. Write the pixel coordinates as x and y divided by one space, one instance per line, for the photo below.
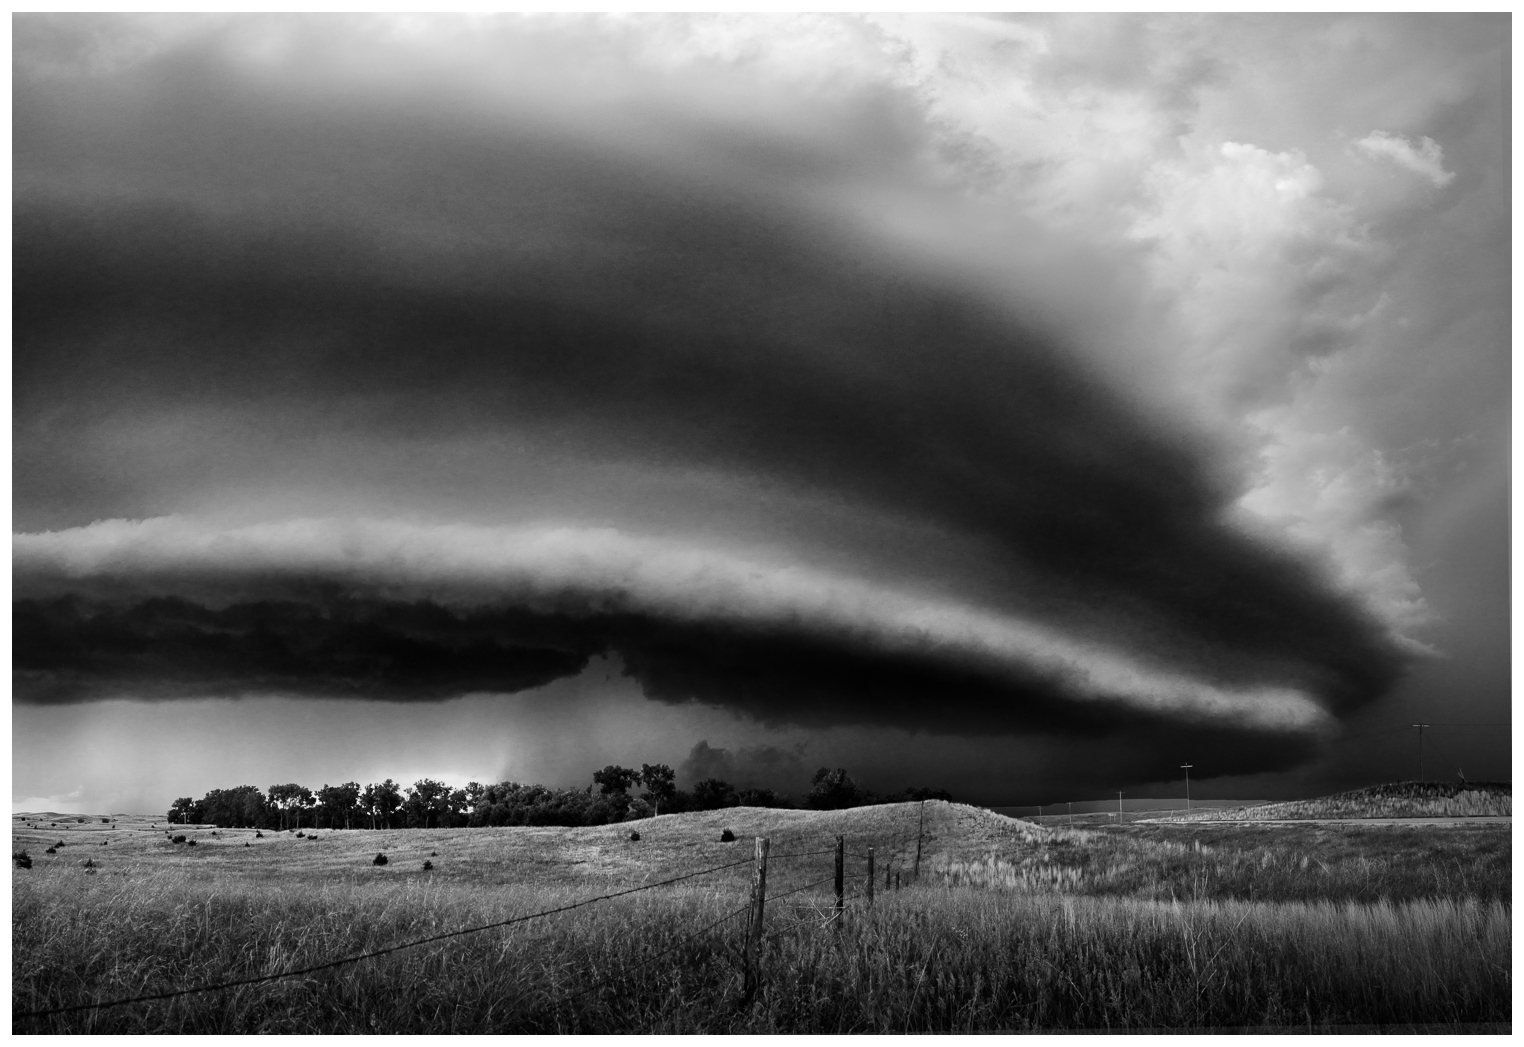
870 877
754 924
840 870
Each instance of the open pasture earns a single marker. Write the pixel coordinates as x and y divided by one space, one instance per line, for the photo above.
1141 931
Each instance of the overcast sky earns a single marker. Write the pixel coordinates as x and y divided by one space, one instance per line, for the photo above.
1020 406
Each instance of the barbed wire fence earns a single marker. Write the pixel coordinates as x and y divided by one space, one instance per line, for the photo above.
854 887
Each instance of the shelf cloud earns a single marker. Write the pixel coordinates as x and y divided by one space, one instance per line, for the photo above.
403 359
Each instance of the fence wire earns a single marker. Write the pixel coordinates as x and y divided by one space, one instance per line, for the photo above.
854 893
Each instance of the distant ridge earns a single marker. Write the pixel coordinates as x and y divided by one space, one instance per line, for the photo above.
1394 800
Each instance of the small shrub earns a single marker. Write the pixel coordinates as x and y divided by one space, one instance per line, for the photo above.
82 821
300 835
105 821
51 850
246 843
727 837
23 860
88 863
634 836
427 865
190 843
433 854
178 839
60 843
379 859
259 835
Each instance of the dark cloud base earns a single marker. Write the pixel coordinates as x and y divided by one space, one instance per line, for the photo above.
70 650
925 406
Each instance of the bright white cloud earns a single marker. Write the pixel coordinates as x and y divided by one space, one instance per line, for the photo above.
1425 159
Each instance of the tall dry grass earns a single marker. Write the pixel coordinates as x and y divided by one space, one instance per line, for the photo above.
924 959
1284 863
1394 800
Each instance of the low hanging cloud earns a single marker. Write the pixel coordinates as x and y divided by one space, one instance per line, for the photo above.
170 607
352 359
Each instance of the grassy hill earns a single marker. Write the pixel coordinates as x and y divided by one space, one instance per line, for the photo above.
1010 927
1393 800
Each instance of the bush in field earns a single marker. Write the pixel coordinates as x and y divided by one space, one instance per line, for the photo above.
727 836
379 859
427 865
634 836
23 860
178 839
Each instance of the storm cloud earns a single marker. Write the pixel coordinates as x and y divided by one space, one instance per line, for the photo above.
346 367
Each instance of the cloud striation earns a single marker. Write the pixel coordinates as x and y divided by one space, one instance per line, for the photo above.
409 386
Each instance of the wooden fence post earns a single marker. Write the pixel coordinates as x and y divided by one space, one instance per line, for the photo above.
896 879
870 877
754 924
915 873
840 870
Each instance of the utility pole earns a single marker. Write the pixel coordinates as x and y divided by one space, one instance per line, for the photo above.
1119 806
1420 727
1187 767
1071 813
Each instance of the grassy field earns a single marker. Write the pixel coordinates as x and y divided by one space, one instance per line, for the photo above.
1394 800
1010 927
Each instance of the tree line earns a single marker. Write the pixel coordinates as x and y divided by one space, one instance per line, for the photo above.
427 804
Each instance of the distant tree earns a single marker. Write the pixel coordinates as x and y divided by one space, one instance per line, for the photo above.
240 807
711 794
760 798
475 793
833 790
286 799
661 784
458 804
427 803
381 801
181 809
615 779
347 796
336 803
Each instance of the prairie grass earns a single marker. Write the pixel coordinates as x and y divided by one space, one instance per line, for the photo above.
922 959
1250 862
1394 800
1010 927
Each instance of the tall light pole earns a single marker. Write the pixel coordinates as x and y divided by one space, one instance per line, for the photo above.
1420 727
1187 767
